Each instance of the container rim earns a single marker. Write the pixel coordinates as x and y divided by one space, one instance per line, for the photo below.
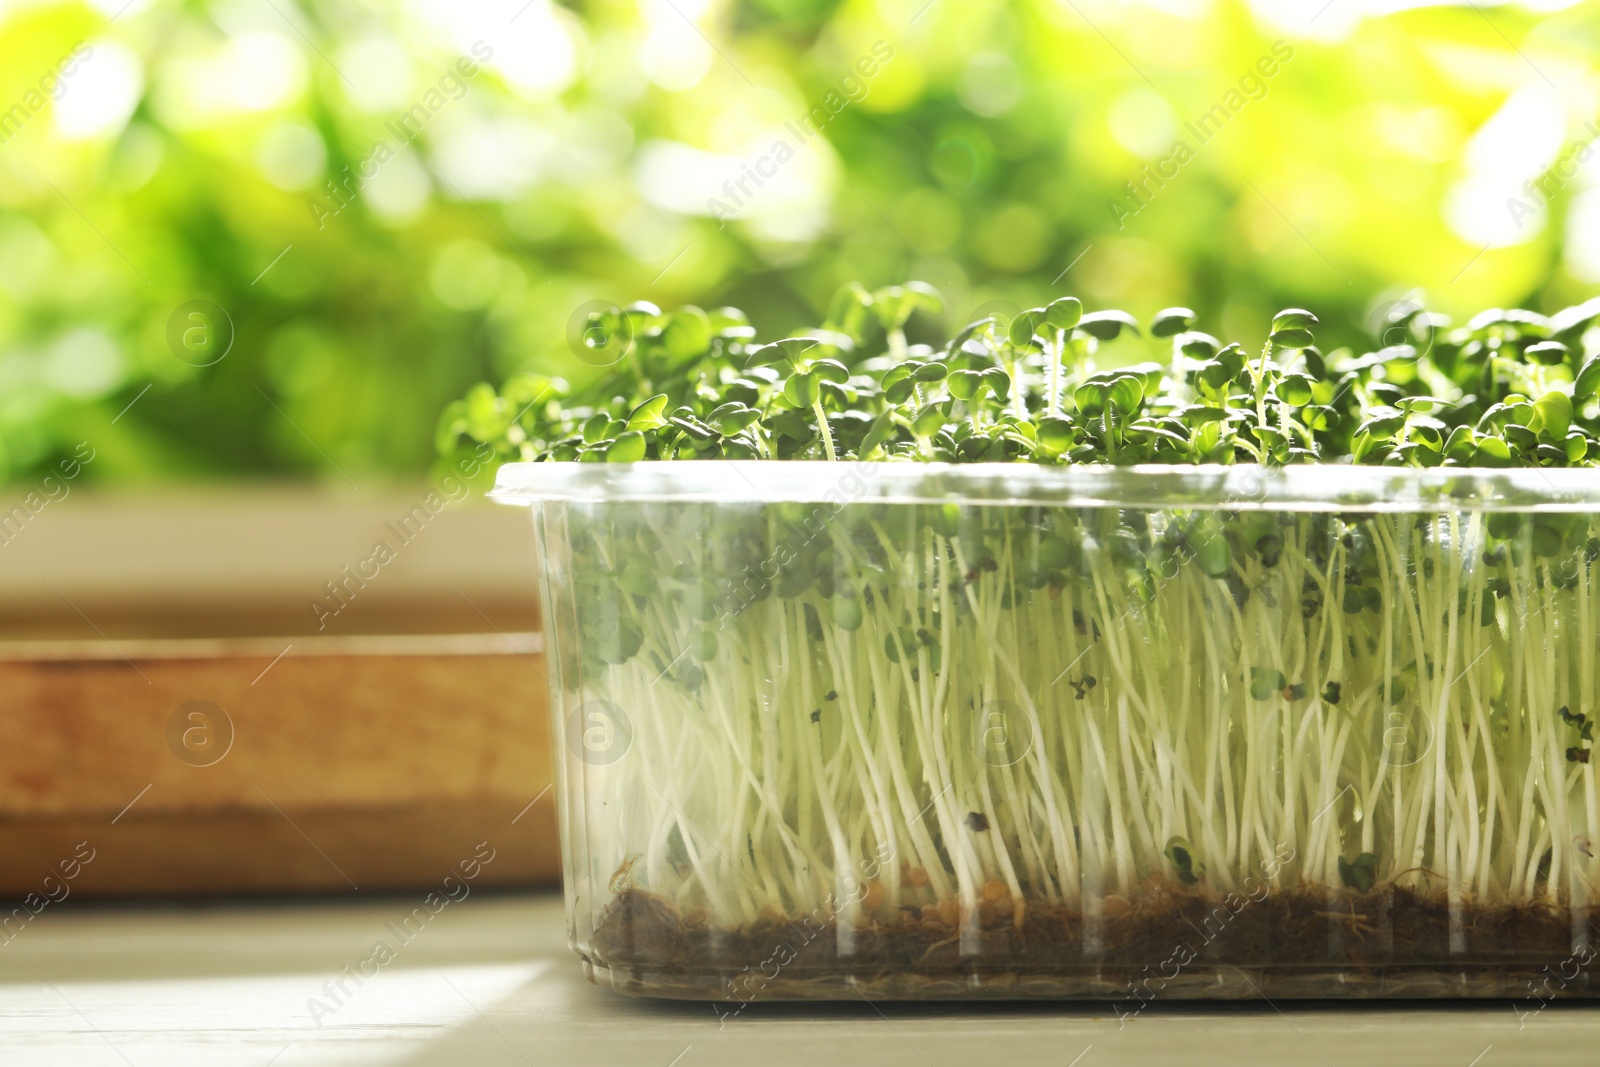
1328 487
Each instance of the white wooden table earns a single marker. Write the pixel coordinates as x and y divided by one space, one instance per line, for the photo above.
489 981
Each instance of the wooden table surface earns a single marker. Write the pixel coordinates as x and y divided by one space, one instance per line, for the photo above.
489 981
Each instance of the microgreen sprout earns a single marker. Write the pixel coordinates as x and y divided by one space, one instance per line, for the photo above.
1509 388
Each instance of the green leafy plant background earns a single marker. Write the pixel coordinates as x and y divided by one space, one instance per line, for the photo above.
982 157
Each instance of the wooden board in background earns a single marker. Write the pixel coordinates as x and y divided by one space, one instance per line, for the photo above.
370 762
249 562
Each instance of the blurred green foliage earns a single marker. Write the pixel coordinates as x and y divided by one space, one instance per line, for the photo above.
183 152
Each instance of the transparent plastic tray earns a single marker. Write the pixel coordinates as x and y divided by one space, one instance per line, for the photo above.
923 731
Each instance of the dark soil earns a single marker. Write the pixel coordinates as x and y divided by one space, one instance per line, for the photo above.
1145 942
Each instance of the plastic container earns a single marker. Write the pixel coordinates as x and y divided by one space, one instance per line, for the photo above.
992 731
